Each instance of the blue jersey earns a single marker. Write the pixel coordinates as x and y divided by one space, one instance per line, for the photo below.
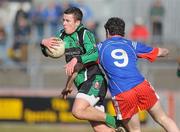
118 57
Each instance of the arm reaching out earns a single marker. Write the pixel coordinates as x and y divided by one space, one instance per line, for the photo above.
68 89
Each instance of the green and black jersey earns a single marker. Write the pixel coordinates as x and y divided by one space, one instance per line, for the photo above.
86 53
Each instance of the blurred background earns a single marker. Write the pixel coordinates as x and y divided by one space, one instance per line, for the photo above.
30 84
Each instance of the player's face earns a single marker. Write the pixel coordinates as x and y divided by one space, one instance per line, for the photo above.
70 23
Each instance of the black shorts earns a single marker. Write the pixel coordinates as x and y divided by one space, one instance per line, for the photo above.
96 86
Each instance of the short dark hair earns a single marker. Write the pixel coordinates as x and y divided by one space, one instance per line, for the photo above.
115 26
75 11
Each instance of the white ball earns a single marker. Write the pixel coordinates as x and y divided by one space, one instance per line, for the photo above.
57 51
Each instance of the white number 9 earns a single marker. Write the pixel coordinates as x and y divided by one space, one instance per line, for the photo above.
123 57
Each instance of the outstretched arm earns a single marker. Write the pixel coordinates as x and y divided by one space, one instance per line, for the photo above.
68 89
150 53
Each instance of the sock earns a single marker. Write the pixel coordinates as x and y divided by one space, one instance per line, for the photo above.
110 121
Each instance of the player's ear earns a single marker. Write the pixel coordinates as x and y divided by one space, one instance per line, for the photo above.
77 23
107 33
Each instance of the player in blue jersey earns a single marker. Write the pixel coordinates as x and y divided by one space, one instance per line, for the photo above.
130 91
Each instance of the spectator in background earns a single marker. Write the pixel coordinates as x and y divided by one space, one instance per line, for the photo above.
53 15
178 68
38 20
3 54
20 13
2 2
3 33
157 13
22 30
66 4
139 31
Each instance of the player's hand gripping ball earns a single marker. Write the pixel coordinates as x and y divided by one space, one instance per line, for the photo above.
56 51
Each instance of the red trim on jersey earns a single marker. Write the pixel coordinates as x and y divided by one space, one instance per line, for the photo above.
150 56
98 61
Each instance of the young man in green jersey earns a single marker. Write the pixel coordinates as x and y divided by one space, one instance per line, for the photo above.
80 48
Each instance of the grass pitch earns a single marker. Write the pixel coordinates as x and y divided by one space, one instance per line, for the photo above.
21 127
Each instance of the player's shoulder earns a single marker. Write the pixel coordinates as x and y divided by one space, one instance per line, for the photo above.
108 42
99 45
60 32
103 46
130 43
84 29
89 35
88 32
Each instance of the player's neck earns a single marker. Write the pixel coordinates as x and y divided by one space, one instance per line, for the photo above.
110 36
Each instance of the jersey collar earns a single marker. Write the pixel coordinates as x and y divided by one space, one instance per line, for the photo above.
79 27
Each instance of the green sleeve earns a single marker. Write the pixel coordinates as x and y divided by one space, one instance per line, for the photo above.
90 47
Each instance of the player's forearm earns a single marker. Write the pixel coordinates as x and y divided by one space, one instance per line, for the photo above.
70 81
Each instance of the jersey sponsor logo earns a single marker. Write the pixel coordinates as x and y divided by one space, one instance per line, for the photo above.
96 85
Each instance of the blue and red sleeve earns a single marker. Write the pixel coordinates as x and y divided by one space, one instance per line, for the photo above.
151 56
